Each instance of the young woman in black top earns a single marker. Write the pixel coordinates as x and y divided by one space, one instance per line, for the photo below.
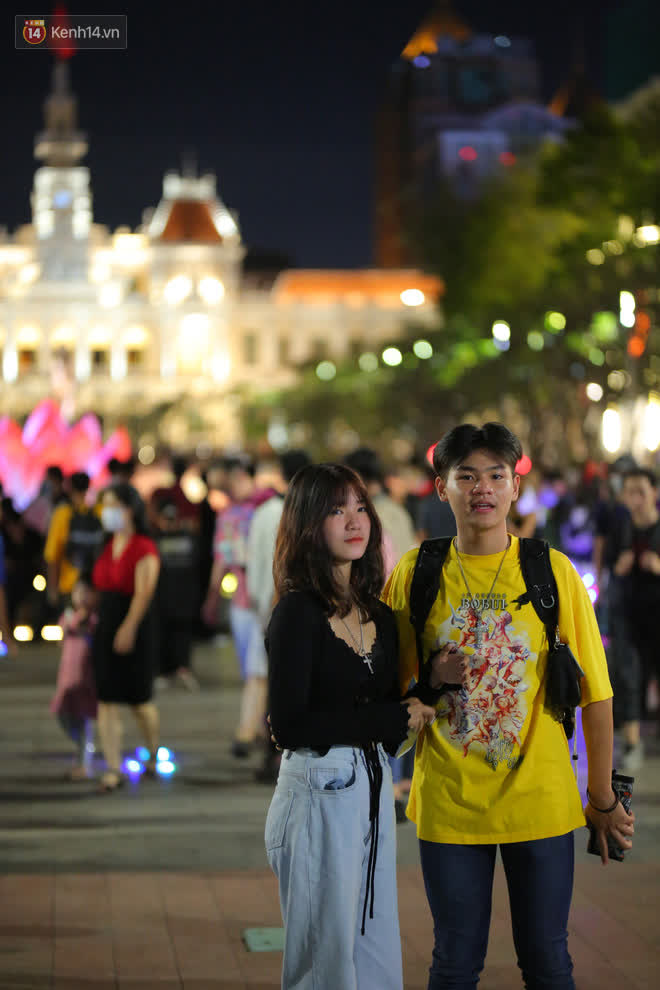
336 711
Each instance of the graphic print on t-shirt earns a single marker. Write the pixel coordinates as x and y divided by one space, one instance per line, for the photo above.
488 712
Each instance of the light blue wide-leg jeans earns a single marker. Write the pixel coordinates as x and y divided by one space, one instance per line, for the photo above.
317 841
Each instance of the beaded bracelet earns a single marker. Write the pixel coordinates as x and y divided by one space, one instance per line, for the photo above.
603 811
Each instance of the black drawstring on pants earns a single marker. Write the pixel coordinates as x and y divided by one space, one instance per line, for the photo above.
375 775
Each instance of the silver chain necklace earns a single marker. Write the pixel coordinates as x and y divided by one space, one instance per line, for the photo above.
359 647
480 626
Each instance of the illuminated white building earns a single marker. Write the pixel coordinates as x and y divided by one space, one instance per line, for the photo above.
137 320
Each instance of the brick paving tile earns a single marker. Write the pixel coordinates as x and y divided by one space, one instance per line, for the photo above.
206 958
84 983
91 955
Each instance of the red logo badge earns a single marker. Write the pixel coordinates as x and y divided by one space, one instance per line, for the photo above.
34 32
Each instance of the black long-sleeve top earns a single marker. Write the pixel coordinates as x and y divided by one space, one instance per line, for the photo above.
321 691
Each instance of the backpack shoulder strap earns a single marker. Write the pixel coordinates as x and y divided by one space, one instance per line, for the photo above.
540 583
424 588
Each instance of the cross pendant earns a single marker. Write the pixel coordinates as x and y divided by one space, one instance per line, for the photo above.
478 629
369 664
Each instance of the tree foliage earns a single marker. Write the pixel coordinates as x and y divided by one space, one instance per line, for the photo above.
556 234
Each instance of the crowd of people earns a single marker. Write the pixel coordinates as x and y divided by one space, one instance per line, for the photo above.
604 519
320 565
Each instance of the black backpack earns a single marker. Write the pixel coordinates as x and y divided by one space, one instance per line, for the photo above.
563 671
85 540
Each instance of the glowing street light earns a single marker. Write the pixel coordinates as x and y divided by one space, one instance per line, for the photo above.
611 432
326 371
412 297
501 330
211 289
177 289
626 309
422 349
651 423
368 361
392 356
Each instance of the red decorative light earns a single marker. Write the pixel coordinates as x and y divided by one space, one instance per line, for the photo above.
468 153
524 465
429 454
507 158
64 48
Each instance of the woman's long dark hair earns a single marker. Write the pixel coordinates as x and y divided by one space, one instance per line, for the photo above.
131 499
303 561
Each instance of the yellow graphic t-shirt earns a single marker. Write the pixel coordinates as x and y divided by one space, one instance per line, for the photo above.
494 766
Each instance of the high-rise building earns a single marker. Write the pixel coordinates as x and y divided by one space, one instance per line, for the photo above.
458 106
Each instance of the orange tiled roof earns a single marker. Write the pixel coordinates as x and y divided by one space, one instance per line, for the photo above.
190 220
372 284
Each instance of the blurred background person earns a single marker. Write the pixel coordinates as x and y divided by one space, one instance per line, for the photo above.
177 593
23 561
5 627
187 511
434 518
74 541
634 604
230 557
125 641
524 515
52 493
215 500
74 701
121 472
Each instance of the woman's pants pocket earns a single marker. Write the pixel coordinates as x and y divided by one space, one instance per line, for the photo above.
277 819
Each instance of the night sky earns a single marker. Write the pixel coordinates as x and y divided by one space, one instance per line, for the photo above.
278 99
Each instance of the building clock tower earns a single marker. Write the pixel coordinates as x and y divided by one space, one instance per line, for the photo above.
61 197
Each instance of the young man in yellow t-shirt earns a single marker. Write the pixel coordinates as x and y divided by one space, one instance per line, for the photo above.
494 769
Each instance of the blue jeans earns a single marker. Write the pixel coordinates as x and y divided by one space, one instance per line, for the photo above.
459 886
248 639
317 841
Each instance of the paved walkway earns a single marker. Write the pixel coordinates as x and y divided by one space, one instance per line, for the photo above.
152 887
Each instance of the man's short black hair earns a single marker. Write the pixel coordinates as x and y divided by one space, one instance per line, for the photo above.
55 473
367 464
79 482
641 472
291 461
466 438
240 462
179 466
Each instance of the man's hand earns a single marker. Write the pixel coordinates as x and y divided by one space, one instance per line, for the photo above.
618 824
419 714
447 666
650 561
624 564
124 640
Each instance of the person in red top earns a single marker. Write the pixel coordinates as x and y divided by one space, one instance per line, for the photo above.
124 645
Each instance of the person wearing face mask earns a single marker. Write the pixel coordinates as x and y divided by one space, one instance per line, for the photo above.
124 645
